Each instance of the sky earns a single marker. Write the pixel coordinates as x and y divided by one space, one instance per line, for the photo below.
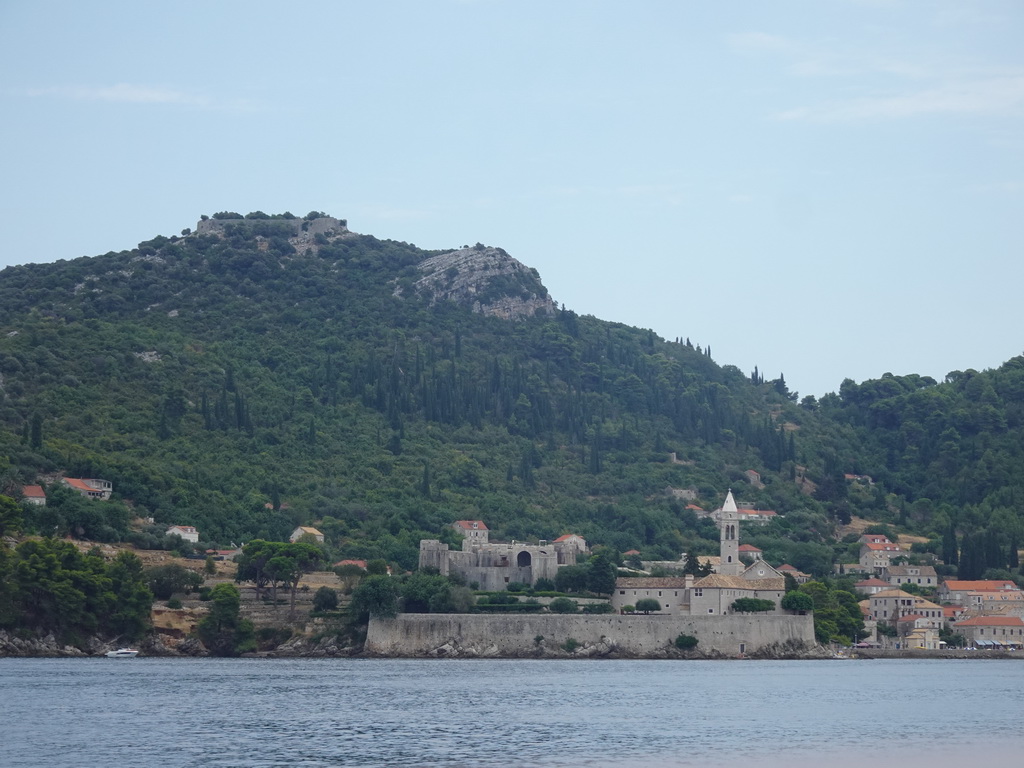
824 189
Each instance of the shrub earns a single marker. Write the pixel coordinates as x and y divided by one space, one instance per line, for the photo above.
598 608
800 602
516 586
752 605
648 604
174 603
686 642
562 605
544 585
628 608
570 645
325 599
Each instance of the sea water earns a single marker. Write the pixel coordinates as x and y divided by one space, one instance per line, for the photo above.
348 712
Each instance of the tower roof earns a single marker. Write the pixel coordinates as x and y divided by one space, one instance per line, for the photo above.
730 503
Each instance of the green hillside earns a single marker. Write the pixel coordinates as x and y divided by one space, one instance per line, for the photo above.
274 371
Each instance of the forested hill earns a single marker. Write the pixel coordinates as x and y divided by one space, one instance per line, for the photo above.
268 371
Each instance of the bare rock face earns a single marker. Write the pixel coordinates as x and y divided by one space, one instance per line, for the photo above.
487 280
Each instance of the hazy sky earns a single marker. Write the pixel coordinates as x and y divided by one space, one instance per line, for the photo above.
824 189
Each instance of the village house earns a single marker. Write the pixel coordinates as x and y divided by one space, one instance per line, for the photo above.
34 494
749 552
921 575
992 631
185 532
891 605
91 488
305 530
671 592
872 586
877 555
958 591
800 576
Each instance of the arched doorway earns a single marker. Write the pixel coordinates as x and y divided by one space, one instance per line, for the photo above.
523 560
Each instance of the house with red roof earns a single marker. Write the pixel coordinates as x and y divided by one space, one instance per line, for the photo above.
91 488
356 563
800 576
959 590
872 586
33 494
877 555
750 552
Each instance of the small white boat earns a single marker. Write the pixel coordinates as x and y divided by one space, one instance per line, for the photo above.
122 653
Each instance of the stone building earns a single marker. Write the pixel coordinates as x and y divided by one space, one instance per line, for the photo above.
492 566
714 594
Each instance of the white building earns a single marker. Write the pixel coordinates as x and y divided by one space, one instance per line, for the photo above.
186 532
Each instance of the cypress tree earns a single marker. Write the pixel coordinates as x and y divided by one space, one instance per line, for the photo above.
36 436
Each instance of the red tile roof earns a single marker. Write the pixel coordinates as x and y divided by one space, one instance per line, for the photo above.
568 536
78 485
955 585
360 563
749 548
629 552
887 546
471 525
872 582
33 492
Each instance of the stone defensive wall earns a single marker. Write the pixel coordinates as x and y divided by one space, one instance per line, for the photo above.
517 635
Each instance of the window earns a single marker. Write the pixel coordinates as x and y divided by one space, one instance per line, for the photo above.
622 591
698 592
711 610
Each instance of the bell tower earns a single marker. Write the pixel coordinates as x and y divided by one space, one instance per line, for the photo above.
729 527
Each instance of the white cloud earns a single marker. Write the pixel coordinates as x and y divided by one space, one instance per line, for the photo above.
129 93
979 96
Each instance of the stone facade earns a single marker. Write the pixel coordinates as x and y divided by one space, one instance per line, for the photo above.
514 635
492 566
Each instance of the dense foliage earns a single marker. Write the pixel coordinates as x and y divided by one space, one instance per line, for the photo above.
48 585
232 382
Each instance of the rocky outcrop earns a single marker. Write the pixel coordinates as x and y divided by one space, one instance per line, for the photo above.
487 280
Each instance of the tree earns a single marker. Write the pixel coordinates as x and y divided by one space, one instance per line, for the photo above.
752 605
10 516
325 599
694 567
563 605
166 580
601 574
571 578
253 561
223 631
648 605
798 602
375 596
133 598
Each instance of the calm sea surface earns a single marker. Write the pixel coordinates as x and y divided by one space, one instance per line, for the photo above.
199 712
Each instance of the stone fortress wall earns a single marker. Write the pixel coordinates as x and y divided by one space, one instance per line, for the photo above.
515 635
